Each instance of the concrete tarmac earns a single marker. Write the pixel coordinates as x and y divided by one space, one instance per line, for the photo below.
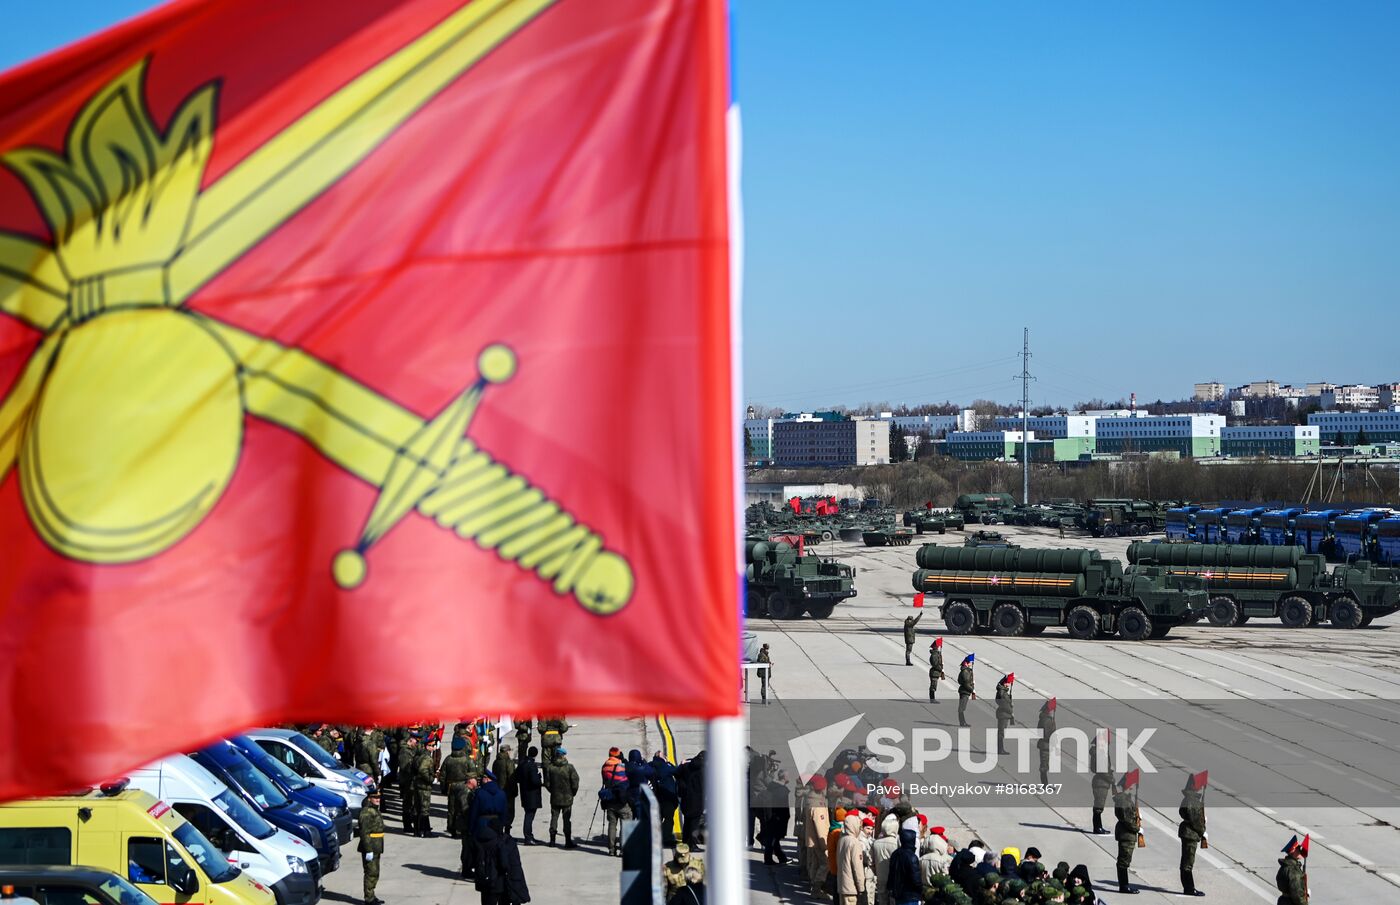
858 654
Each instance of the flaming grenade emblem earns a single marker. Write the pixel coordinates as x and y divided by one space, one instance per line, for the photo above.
126 423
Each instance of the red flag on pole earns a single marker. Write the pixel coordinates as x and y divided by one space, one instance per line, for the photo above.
1198 780
919 600
1131 778
315 321
1307 841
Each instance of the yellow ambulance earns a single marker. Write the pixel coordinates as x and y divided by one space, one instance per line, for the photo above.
132 834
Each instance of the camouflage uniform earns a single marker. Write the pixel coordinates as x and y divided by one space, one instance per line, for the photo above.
371 847
563 786
673 871
551 737
1191 831
910 636
423 791
408 766
1046 725
454 776
1292 883
764 674
1006 714
1102 781
935 672
1125 831
522 736
966 689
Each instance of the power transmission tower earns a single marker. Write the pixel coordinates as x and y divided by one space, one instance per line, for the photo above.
1025 378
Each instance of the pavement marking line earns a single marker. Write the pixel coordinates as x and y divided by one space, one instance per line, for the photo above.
1292 678
1394 878
1350 855
1263 810
1329 767
1371 785
1213 860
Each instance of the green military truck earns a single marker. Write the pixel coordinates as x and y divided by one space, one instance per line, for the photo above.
929 521
983 508
784 584
1122 518
1247 580
1021 592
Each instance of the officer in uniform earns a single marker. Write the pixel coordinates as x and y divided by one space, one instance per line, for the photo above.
423 792
1101 762
966 689
504 768
408 765
673 871
1006 709
910 636
563 786
1191 831
1046 725
551 737
454 774
935 668
371 845
1125 831
522 736
764 674
1291 880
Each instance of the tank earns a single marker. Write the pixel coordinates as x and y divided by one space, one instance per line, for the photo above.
1214 555
931 556
1040 584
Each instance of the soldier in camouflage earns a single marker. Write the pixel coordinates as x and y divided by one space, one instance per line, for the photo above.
454 774
935 668
408 766
910 636
1125 832
551 737
967 689
1291 879
1191 832
1006 709
423 791
371 847
522 735
1046 725
1101 762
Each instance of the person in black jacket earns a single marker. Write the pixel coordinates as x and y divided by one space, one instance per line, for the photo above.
529 781
906 882
664 786
490 879
517 891
690 783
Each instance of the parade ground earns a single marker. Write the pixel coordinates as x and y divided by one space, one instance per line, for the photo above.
858 655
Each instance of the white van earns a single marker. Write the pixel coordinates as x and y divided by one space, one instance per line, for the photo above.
271 856
310 761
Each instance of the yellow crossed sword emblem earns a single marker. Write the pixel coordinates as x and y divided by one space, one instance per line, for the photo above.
126 421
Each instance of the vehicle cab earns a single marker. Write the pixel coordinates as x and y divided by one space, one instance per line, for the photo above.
311 762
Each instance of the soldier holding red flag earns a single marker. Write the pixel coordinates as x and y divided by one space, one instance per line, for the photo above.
967 690
1192 831
1292 877
935 667
1127 831
1006 709
1046 725
910 636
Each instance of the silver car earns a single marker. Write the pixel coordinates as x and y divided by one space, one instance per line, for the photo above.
311 762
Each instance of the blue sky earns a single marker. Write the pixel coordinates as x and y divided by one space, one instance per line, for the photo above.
1163 192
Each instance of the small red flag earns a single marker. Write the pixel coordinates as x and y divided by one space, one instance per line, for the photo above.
1131 778
1198 780
1307 839
919 600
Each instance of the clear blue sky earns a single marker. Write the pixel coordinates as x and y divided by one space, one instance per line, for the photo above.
1164 192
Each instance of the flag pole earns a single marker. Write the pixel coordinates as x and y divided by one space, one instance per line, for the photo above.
726 799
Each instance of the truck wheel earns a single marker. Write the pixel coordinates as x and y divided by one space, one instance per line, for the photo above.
1159 632
1223 612
1083 623
753 604
1134 624
780 606
1008 619
821 610
1110 531
960 617
1346 614
1295 612
827 535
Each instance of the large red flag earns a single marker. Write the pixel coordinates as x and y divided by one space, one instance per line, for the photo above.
362 360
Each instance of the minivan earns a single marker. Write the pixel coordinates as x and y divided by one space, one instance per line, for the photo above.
272 856
342 808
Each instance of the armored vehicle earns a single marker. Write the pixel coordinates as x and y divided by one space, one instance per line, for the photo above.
1249 580
1122 518
1020 592
888 537
984 538
785 583
978 507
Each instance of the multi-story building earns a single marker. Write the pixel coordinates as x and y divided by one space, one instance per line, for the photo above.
928 425
1317 389
1378 427
1259 389
1352 396
831 443
1389 395
975 445
1269 440
1192 435
1052 427
1209 392
760 432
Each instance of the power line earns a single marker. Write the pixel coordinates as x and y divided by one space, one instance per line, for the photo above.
1026 378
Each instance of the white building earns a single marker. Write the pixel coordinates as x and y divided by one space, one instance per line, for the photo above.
1193 435
1051 427
1354 396
1378 427
928 425
760 432
1213 391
